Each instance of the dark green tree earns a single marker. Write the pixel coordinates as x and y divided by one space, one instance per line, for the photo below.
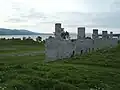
39 39
65 35
50 37
24 38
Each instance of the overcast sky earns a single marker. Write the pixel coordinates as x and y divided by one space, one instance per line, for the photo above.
41 15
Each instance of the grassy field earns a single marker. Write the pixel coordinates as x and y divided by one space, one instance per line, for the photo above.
94 71
10 46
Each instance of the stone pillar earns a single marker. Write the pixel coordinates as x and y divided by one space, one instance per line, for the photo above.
81 33
111 35
58 30
57 27
104 35
95 34
118 37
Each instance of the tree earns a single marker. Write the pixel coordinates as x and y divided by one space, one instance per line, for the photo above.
3 38
13 38
24 38
43 41
65 35
39 39
50 37
29 38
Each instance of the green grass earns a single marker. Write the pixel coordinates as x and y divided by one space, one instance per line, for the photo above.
10 46
98 70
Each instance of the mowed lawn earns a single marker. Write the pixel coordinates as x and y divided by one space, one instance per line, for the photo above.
94 71
17 46
11 49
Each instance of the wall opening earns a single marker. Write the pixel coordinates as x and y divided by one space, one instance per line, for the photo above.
118 42
86 50
97 48
89 49
73 53
92 49
81 51
93 42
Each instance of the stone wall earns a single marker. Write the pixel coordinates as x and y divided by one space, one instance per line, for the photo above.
58 49
83 46
103 43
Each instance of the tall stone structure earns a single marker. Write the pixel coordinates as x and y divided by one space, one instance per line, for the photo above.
111 35
81 33
104 35
58 30
95 34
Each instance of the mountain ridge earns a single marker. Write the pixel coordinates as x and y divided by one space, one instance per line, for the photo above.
4 31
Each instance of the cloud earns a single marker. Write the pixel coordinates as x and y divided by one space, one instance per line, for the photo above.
31 14
106 19
16 20
71 19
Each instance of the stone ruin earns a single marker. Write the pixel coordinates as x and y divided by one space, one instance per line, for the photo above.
59 48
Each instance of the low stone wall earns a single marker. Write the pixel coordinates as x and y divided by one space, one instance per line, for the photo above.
60 49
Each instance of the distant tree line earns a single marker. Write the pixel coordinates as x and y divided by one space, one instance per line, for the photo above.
38 39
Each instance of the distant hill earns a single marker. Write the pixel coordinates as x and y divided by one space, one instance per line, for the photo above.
4 31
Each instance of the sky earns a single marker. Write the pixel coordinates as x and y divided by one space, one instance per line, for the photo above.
41 15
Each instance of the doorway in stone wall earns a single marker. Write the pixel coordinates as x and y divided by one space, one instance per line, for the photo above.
89 49
73 53
86 51
81 51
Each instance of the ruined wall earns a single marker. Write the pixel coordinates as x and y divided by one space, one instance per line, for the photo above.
88 45
58 49
50 49
103 43
83 46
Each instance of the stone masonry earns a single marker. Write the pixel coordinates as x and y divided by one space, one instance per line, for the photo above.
59 48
